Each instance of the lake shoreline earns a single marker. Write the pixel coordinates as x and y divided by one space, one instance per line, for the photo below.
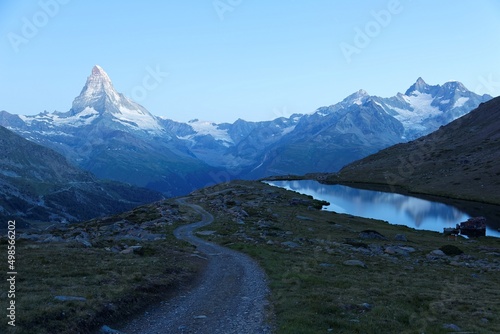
471 208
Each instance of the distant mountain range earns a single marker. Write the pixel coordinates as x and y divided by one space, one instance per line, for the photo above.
39 185
115 138
459 160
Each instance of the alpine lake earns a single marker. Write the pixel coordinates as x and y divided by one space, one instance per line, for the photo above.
423 212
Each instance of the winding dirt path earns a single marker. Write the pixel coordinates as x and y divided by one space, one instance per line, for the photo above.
230 298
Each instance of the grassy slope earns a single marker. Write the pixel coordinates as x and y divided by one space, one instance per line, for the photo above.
116 286
460 160
313 291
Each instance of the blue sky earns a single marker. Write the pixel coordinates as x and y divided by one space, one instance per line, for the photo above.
221 60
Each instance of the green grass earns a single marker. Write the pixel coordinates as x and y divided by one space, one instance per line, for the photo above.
116 286
313 291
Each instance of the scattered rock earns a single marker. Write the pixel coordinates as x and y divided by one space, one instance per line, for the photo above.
355 263
376 249
70 298
390 250
400 237
437 252
115 249
326 265
54 239
200 317
290 244
304 218
205 232
355 243
131 249
407 249
371 234
453 327
84 241
399 250
366 306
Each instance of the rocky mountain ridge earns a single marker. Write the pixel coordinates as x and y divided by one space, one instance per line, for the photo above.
39 185
115 138
458 160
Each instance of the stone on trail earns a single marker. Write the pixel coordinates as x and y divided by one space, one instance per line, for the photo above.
355 263
70 298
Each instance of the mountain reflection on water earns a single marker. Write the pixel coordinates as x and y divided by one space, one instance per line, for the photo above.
394 208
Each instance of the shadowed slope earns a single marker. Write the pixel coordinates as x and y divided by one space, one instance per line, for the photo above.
459 160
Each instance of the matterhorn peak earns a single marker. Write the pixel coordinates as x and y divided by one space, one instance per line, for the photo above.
98 72
99 83
99 97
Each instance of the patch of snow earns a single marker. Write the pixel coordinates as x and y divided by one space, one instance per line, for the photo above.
209 128
287 130
460 102
445 101
85 117
55 133
358 101
379 104
422 109
130 117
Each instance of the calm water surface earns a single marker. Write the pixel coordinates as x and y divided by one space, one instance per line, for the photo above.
394 208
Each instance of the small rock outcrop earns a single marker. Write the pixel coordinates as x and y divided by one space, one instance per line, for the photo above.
355 263
371 234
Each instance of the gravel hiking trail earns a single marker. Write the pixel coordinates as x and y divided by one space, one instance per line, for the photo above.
229 298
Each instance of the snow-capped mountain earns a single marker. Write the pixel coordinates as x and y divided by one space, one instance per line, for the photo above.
113 137
362 124
423 108
100 102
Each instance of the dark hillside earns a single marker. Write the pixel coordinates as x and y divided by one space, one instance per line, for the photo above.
39 185
460 160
